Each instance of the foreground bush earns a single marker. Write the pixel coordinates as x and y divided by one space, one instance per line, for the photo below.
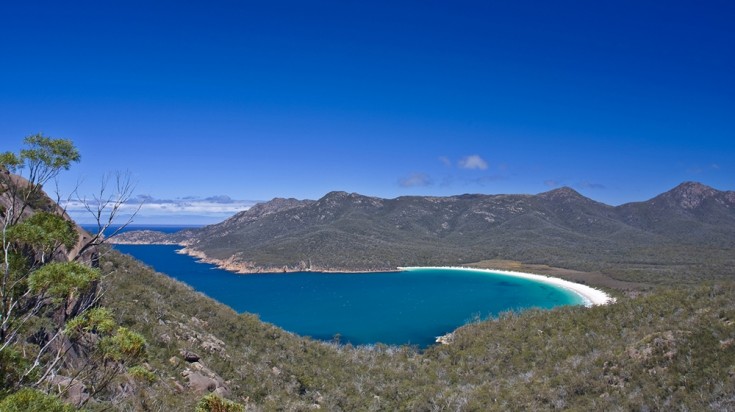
213 403
32 400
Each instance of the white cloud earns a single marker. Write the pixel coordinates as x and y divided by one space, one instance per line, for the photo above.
415 179
473 162
445 161
213 208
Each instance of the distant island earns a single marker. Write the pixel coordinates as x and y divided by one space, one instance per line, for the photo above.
686 232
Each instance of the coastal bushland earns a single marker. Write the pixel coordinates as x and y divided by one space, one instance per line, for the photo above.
671 347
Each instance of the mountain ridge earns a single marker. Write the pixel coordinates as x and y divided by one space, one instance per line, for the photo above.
560 227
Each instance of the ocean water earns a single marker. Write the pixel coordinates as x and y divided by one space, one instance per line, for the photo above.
410 307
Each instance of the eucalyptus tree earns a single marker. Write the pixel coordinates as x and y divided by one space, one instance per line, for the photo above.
22 178
49 295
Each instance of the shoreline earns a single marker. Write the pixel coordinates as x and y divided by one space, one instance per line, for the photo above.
590 295
244 268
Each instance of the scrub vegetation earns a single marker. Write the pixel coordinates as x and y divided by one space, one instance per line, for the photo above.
672 347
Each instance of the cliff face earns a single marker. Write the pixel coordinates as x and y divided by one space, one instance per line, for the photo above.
348 231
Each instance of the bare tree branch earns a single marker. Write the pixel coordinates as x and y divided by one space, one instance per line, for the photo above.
105 207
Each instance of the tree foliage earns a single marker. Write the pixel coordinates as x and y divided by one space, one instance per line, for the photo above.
97 320
123 346
43 157
214 403
61 280
44 233
33 400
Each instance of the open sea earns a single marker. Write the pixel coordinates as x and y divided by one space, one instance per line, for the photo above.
411 307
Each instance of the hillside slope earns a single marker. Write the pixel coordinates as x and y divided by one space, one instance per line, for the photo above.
672 348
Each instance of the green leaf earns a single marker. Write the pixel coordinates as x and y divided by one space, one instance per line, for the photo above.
61 279
10 161
213 403
44 231
32 400
124 345
98 320
54 153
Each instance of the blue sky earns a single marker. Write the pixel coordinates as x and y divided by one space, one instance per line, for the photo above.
250 100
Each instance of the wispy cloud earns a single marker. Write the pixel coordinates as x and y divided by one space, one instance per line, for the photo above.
149 207
415 180
551 183
445 161
472 162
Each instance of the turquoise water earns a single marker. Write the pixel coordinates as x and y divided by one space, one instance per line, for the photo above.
410 307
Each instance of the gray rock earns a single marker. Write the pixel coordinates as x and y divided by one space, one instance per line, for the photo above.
189 356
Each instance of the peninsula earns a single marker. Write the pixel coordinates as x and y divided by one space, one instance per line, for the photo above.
560 228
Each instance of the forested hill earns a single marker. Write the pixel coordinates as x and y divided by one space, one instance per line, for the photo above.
684 234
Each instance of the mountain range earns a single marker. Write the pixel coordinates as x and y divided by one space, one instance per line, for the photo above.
687 231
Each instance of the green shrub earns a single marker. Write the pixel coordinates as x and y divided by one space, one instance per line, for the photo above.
98 320
124 345
32 400
142 374
44 231
213 403
61 279
12 367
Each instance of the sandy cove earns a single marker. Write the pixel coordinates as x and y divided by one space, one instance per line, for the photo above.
590 295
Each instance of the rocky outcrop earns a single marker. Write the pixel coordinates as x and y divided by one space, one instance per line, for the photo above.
200 379
189 356
71 390
144 237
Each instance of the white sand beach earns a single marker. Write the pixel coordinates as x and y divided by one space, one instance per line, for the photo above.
590 295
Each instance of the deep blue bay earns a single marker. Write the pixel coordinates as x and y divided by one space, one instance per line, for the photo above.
408 307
